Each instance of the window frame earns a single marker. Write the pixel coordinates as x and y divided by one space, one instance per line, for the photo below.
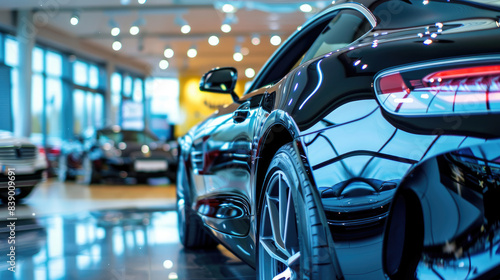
289 53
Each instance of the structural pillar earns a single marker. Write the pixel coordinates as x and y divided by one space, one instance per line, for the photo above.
26 33
109 111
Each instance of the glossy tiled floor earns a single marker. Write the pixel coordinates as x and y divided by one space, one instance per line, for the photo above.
73 231
111 244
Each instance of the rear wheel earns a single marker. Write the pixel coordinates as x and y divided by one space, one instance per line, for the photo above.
191 231
293 243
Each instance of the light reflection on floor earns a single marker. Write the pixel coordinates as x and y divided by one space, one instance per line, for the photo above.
112 244
73 231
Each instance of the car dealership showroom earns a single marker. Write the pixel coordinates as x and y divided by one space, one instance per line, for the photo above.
252 139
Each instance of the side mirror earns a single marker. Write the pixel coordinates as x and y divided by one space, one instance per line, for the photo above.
220 80
444 221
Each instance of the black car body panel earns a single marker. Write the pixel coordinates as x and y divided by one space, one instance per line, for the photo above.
444 222
354 150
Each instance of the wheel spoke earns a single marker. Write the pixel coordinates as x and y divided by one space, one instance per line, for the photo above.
289 229
278 236
294 260
282 188
287 219
285 275
275 226
273 251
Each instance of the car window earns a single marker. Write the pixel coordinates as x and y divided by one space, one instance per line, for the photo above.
346 27
336 29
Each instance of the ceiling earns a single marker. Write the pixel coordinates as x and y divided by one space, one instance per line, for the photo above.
159 28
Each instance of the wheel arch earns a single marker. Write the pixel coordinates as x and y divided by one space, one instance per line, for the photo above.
275 137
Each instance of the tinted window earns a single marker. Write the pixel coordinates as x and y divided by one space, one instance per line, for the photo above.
337 29
127 136
346 27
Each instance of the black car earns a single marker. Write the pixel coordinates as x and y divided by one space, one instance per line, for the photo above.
367 97
119 155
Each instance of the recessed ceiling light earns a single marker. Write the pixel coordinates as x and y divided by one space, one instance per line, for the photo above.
191 53
275 40
168 53
163 64
117 45
245 51
306 8
185 29
226 28
141 1
250 73
74 19
213 40
168 264
228 8
237 56
115 31
134 30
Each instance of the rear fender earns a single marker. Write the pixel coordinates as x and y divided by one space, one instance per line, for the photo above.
444 221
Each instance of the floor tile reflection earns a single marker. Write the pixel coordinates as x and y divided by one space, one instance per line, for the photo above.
112 244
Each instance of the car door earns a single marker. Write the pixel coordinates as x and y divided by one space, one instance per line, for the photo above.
222 154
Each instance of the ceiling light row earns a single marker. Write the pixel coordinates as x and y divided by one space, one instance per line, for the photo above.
227 8
212 40
179 20
163 65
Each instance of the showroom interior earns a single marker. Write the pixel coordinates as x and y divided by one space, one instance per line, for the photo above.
252 139
70 68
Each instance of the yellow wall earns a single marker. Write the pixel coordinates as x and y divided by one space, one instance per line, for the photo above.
197 105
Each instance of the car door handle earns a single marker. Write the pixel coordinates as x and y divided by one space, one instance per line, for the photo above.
242 113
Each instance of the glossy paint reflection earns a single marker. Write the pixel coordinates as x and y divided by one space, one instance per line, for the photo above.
125 244
445 222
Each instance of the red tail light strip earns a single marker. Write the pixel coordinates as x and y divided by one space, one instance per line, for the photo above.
461 90
463 73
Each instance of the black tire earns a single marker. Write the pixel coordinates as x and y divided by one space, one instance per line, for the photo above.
21 193
292 240
192 233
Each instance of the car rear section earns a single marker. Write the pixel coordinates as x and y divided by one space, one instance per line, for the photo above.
424 81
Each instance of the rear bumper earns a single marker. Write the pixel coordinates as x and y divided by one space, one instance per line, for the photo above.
126 167
22 180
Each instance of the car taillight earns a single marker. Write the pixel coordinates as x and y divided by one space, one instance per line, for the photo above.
55 151
467 72
41 150
474 89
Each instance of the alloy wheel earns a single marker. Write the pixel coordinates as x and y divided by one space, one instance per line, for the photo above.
279 254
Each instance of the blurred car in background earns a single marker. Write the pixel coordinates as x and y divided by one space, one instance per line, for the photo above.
116 154
26 162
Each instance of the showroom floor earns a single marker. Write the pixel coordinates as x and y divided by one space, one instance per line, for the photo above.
72 231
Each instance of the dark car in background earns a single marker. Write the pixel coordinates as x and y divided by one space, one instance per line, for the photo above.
119 155
22 166
366 97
